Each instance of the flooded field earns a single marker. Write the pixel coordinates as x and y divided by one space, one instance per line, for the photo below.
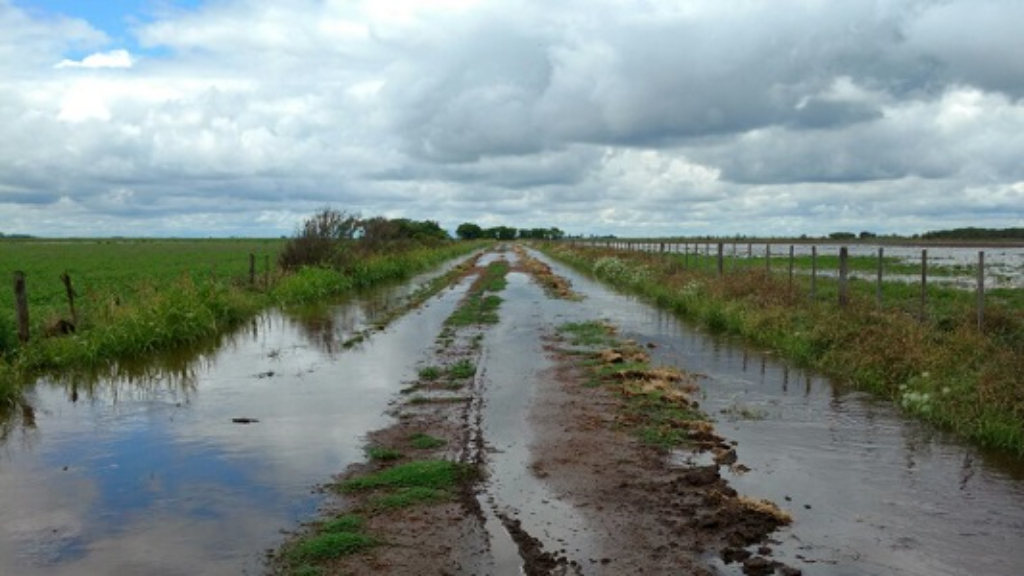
156 473
196 463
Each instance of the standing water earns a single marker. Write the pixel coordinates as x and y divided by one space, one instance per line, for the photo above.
871 492
194 463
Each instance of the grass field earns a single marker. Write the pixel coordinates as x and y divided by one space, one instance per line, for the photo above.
134 297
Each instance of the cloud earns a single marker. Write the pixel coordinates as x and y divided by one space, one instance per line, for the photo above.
605 114
112 59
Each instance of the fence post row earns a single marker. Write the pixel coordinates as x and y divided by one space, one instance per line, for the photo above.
673 248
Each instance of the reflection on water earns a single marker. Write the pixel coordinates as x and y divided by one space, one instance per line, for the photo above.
140 469
871 492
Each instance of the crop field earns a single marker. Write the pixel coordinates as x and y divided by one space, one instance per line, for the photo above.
117 271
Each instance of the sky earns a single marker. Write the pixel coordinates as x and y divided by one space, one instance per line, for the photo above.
628 117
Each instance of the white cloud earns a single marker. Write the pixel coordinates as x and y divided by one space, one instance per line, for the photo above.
633 115
112 59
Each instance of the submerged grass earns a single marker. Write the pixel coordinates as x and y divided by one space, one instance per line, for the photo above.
943 369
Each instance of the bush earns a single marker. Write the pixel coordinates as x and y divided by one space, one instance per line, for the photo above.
321 240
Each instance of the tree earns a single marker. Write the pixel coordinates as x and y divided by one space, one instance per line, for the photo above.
469 231
501 233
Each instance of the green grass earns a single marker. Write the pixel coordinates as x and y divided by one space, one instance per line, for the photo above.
408 497
331 545
462 369
588 334
480 306
325 541
942 369
435 474
422 441
431 373
383 453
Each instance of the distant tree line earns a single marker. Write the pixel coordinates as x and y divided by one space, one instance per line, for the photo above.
471 231
976 234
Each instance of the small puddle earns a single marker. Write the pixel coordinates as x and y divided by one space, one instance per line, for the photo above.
194 463
871 492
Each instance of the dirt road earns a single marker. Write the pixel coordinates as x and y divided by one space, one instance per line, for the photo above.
562 447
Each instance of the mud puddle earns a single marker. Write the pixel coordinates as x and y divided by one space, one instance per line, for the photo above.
193 464
871 492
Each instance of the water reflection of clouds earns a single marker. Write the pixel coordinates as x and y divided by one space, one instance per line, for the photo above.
143 470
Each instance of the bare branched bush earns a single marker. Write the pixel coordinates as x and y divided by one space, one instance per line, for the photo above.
322 240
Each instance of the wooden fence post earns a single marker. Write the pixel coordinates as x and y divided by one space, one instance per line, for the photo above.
844 272
814 272
252 269
21 302
721 258
66 279
768 258
881 273
791 264
924 283
686 255
981 290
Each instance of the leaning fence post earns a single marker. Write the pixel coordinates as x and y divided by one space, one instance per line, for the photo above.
844 271
924 283
66 279
881 272
981 289
21 302
252 269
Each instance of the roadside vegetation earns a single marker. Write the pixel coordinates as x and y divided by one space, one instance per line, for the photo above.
943 369
134 297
